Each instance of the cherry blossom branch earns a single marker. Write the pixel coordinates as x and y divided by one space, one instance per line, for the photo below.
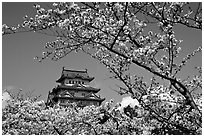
179 86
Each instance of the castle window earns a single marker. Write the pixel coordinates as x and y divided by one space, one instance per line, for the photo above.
83 94
62 101
82 82
70 82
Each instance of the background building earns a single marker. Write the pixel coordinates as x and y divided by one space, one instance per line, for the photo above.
74 86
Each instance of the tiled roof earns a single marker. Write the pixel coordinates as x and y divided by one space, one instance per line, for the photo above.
79 87
67 95
71 74
82 98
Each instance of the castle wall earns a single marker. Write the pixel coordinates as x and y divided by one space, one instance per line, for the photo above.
85 103
75 81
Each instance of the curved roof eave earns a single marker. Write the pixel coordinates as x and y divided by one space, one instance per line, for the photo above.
95 90
63 77
82 98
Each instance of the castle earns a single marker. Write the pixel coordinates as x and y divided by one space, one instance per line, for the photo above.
74 86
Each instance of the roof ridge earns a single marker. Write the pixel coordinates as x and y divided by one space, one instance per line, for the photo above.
74 70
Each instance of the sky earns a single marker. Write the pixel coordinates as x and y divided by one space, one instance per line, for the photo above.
21 71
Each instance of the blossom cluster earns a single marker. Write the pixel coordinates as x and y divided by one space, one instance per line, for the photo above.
27 117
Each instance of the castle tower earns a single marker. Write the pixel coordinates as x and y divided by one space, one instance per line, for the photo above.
74 86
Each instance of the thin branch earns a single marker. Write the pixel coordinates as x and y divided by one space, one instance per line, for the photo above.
89 6
58 132
90 126
134 41
121 29
115 14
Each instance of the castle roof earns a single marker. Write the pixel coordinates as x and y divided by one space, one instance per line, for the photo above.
78 87
66 95
83 98
73 74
